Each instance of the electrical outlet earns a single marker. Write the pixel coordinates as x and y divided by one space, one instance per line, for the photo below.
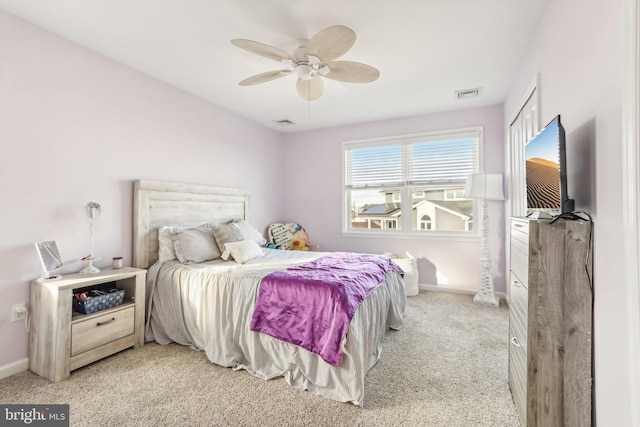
18 312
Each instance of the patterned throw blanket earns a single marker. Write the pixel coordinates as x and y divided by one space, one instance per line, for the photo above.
312 305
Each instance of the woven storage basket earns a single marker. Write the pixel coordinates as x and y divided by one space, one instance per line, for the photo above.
97 303
410 267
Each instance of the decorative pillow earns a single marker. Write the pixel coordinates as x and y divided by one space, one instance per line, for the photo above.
282 235
195 245
242 251
250 232
225 234
166 250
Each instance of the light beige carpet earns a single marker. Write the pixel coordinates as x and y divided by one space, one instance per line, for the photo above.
446 367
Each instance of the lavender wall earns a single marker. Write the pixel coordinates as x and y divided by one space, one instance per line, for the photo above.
76 127
314 175
578 54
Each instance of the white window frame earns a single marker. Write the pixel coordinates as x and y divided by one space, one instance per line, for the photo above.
406 230
426 224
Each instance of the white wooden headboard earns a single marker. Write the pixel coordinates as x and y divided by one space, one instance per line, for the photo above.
159 203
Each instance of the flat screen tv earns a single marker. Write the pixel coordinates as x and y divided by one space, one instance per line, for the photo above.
546 171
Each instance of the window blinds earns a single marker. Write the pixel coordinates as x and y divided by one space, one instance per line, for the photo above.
424 160
376 166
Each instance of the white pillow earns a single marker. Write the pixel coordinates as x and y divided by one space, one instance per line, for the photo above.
195 245
166 250
250 232
242 251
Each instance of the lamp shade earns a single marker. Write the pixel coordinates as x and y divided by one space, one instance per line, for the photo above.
484 186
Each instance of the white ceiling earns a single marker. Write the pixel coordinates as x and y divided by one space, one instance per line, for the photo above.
425 50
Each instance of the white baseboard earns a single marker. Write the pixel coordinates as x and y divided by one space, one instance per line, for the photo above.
14 368
454 290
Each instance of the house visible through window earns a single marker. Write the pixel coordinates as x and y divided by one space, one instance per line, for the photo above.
412 184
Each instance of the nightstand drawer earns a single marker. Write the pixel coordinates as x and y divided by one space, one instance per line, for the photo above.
99 330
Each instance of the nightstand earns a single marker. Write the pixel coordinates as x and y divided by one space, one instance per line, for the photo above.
61 340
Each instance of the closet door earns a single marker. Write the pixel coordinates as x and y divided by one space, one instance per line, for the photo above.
525 126
521 130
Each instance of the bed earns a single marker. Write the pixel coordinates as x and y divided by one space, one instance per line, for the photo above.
213 305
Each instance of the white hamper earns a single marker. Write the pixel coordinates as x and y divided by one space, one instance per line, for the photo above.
410 267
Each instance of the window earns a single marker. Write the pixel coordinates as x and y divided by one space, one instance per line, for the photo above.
454 194
412 184
425 222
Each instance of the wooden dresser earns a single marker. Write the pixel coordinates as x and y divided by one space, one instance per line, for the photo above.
550 322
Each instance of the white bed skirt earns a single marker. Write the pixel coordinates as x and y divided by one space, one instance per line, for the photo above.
209 306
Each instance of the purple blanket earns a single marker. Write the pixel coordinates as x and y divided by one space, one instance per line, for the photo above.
311 305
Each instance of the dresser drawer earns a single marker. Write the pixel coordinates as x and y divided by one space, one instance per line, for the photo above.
96 331
518 378
518 312
520 230
520 250
519 263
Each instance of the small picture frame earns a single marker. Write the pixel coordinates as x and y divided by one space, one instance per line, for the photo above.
50 259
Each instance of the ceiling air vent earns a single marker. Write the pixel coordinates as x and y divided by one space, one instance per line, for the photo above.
284 122
468 93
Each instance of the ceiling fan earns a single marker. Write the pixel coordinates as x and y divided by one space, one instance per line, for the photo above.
312 60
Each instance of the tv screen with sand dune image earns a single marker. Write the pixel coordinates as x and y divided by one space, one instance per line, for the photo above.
544 168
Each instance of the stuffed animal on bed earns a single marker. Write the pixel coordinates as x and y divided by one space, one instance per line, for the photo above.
299 245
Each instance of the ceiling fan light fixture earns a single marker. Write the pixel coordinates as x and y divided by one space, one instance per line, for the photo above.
304 71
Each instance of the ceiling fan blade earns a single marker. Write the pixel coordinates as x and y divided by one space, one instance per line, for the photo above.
310 89
261 49
331 43
264 77
351 72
